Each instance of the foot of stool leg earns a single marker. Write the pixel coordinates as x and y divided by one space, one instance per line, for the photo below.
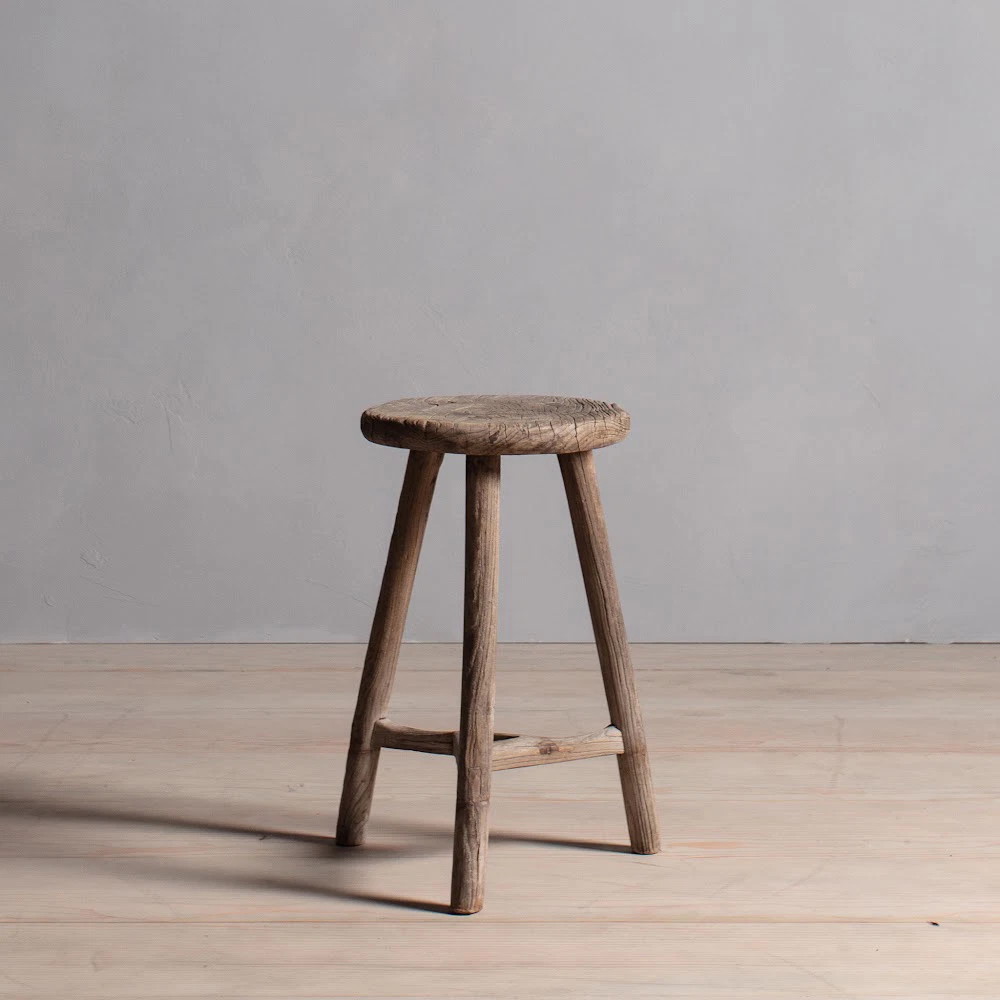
591 533
383 645
474 741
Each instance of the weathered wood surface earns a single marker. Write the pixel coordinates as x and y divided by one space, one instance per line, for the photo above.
165 828
509 750
526 751
496 425
474 742
383 645
587 514
392 736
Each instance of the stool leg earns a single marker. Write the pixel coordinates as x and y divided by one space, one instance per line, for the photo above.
587 514
474 743
383 645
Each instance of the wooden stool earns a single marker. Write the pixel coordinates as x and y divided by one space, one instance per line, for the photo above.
483 428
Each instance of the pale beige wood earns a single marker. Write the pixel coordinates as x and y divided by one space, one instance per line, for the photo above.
474 741
165 831
526 751
383 645
765 698
437 958
496 425
587 515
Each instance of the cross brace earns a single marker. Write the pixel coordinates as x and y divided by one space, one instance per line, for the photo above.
509 750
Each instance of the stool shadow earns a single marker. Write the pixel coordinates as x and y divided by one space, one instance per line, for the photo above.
576 845
506 837
19 799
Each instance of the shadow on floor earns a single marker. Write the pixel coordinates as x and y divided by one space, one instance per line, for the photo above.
501 837
19 799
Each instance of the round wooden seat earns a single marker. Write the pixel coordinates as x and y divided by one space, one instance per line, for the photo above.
496 425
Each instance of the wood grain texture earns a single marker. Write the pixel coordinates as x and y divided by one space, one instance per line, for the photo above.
509 749
496 425
433 959
474 743
383 645
527 751
391 736
165 828
587 514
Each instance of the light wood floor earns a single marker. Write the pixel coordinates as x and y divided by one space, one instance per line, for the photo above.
167 816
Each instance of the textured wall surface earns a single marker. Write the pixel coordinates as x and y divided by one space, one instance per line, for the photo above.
768 229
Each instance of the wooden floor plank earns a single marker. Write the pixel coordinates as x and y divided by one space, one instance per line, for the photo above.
829 814
461 958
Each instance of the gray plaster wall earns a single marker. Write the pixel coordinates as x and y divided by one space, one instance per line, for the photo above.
769 228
